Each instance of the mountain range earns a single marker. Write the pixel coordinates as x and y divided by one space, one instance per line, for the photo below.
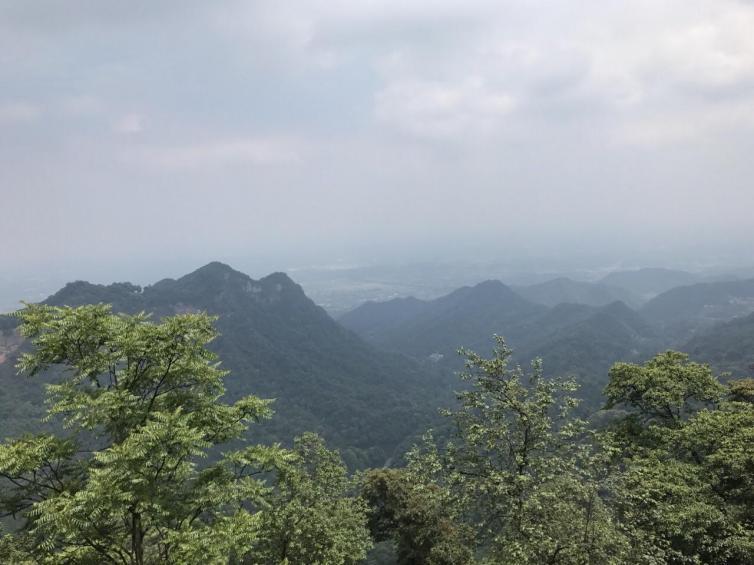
565 290
278 344
728 346
649 282
371 381
572 338
701 303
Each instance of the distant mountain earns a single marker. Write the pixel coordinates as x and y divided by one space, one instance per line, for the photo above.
688 308
728 346
584 342
648 282
374 319
466 317
564 290
279 344
574 339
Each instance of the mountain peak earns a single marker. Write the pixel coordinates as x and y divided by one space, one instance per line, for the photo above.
278 278
217 282
490 290
216 269
212 277
490 284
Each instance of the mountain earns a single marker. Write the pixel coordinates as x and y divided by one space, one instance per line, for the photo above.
466 317
373 319
584 342
278 344
728 346
574 339
648 282
564 290
687 308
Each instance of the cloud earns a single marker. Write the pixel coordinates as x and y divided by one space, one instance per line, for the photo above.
82 106
371 116
19 112
129 124
208 155
437 110
668 128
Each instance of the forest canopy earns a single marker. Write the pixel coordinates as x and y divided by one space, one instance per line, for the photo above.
144 462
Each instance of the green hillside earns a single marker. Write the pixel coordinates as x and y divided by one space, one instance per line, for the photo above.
278 344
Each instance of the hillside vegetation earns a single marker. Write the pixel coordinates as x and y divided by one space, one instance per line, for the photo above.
154 465
277 344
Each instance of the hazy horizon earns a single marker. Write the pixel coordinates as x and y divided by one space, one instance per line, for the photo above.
143 140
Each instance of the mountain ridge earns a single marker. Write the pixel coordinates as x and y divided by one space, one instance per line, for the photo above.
278 344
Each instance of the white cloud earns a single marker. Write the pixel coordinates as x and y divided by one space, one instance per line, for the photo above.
216 153
669 128
19 112
433 109
82 106
593 107
446 67
129 124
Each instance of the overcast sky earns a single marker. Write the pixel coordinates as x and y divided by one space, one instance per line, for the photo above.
174 132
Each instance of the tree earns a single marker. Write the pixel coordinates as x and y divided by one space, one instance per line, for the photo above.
312 519
140 403
521 468
685 486
665 390
741 390
417 516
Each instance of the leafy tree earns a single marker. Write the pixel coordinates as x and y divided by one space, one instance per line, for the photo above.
141 405
686 486
665 390
417 516
312 519
521 470
741 390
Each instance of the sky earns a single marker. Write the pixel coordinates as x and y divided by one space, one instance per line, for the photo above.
145 136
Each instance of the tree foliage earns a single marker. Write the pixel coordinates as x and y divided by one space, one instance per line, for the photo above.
418 516
130 480
148 464
519 471
684 478
665 390
314 517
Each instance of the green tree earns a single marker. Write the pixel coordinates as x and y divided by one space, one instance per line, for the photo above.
741 390
140 403
522 469
417 516
685 488
312 518
665 390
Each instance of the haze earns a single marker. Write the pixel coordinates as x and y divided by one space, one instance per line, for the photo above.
145 138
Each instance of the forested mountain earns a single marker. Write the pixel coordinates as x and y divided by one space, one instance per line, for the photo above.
466 317
728 346
151 467
372 405
564 290
682 311
648 282
571 338
373 319
586 345
369 399
278 344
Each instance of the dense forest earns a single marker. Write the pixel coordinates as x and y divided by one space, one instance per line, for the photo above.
238 423
277 344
